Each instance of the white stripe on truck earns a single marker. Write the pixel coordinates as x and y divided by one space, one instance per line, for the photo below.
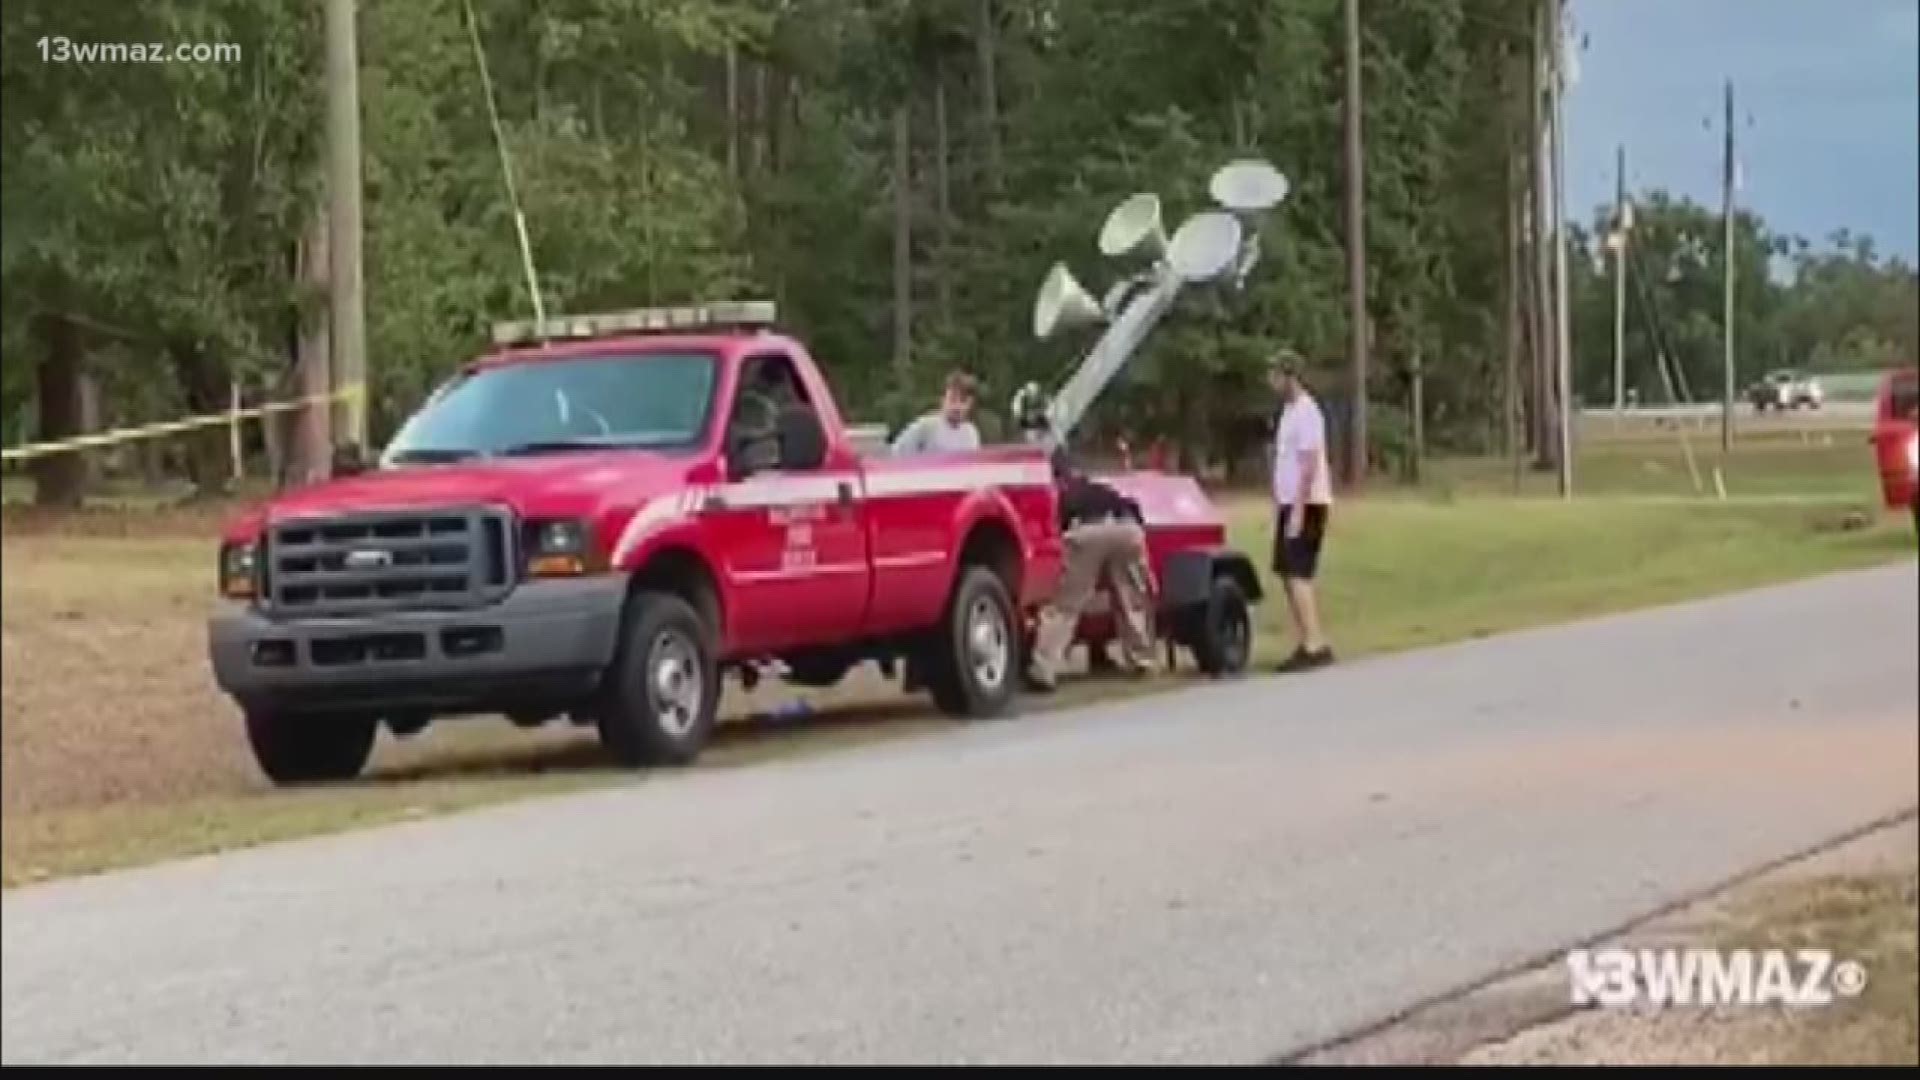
772 492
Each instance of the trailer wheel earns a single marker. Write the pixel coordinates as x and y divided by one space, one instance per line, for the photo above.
972 663
303 748
1220 632
663 691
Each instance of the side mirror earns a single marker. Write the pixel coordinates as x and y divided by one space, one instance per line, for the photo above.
349 460
803 439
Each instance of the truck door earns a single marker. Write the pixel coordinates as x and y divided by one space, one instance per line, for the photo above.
795 539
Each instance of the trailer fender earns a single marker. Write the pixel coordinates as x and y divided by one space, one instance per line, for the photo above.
1187 578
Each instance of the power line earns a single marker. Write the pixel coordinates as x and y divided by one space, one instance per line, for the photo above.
506 166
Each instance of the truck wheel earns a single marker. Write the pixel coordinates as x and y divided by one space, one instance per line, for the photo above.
300 748
971 664
1221 631
664 689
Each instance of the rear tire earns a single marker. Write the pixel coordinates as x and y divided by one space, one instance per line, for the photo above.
663 691
1221 631
298 748
972 663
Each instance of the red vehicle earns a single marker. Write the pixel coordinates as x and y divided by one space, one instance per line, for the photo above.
1896 418
597 520
595 525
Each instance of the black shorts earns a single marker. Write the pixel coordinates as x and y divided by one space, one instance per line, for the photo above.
1300 556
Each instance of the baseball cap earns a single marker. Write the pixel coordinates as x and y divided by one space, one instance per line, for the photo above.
1285 361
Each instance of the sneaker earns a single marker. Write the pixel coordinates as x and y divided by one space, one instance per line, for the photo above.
1304 660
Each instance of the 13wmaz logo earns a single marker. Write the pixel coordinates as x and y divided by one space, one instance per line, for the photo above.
1795 977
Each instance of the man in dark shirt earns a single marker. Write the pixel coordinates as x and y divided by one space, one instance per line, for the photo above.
1104 534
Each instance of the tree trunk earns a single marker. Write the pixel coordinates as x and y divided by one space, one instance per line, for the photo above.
733 111
757 145
104 463
312 441
1418 455
985 39
204 383
943 269
60 479
902 248
275 430
1510 288
777 116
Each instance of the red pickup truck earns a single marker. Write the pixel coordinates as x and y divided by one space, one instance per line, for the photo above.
597 520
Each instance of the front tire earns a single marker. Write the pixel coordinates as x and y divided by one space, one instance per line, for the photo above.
663 692
972 662
297 748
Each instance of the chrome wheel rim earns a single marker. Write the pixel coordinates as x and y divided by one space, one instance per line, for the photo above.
989 644
677 684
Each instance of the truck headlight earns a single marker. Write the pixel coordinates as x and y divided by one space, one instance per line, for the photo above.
239 565
562 547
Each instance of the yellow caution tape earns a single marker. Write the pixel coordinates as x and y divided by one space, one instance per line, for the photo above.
173 427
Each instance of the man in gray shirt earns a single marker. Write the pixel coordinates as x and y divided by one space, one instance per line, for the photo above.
948 429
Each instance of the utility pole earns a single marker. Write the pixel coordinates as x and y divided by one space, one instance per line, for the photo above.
1356 462
1622 224
1563 344
347 307
1726 333
313 440
1539 255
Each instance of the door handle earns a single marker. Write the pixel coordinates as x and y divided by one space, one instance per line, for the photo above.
846 494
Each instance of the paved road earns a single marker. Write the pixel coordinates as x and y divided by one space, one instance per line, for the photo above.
1221 875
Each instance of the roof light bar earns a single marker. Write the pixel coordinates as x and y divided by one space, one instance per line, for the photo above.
755 314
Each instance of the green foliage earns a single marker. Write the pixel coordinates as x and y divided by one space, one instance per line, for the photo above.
1839 308
666 150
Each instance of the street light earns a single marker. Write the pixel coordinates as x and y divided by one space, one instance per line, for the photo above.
1216 247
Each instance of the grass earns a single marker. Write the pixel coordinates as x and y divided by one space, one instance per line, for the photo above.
120 751
1403 573
1858 901
1794 458
1867 918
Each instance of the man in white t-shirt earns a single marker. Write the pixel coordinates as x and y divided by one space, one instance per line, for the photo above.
1302 497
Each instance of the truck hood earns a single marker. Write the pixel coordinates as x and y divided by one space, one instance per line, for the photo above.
578 484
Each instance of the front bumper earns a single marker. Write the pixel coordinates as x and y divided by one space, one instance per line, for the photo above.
547 641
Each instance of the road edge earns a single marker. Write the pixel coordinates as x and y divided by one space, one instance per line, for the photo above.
1532 991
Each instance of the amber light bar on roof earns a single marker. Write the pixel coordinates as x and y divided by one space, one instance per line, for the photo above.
727 314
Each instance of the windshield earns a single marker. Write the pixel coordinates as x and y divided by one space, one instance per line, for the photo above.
651 400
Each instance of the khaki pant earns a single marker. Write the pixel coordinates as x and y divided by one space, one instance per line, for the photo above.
1119 550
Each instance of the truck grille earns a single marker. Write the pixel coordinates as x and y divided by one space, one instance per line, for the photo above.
390 561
